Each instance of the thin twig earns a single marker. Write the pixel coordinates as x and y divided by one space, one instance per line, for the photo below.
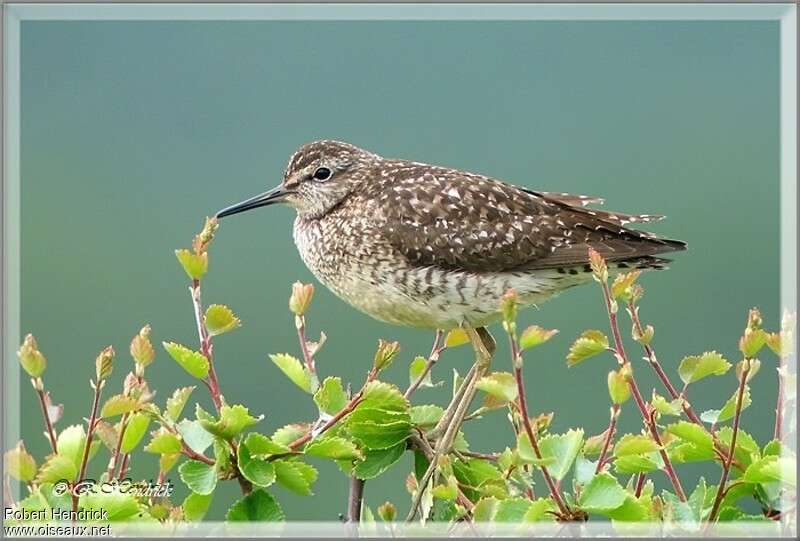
637 396
436 350
719 448
640 483
51 433
98 388
779 402
308 358
612 428
205 343
726 467
346 410
112 463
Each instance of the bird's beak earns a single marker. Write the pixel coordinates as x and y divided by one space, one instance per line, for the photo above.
275 195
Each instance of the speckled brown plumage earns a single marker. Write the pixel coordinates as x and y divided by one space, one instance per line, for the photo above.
429 246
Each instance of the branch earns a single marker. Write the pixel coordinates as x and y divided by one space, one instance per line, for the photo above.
346 410
726 467
612 428
38 385
98 388
354 500
205 343
611 310
112 463
719 448
436 350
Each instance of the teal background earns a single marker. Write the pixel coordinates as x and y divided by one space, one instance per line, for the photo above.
132 132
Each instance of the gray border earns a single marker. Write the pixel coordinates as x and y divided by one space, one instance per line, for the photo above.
14 13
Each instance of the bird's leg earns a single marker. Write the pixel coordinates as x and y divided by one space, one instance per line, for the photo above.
453 418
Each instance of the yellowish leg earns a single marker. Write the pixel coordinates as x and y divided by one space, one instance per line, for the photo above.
450 423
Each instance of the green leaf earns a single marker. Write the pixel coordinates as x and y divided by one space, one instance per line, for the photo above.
258 506
772 468
696 367
19 463
56 468
746 446
135 431
772 448
618 387
664 407
563 448
512 510
602 495
71 442
729 409
534 336
588 344
177 402
485 509
378 461
289 433
261 445
426 416
198 476
296 476
381 420
540 510
295 371
195 265
380 395
415 370
196 437
220 319
456 337
193 362
634 464
232 421
113 506
527 454
258 471
117 405
681 512
195 506
330 397
163 442
632 510
333 447
634 444
692 433
500 385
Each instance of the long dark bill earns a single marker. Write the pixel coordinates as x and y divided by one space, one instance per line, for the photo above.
275 195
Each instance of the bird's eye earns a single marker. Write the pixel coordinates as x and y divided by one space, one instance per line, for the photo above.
322 173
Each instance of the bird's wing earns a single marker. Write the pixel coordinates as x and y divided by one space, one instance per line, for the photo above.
461 221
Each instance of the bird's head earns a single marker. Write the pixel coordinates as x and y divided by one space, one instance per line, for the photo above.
319 176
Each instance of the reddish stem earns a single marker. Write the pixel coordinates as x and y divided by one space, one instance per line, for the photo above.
726 467
637 396
612 428
123 469
346 410
301 336
98 387
112 464
562 507
205 344
640 484
719 448
51 433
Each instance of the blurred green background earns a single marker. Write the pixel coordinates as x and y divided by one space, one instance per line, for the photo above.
132 132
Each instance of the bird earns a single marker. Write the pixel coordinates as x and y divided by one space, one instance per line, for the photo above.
434 247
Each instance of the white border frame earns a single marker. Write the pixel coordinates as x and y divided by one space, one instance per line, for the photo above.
14 14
